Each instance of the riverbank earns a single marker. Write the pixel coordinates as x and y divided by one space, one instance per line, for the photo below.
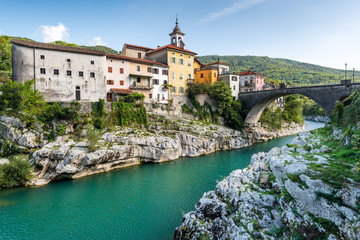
69 156
309 188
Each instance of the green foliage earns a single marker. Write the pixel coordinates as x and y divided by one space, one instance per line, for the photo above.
15 173
221 92
133 98
185 108
129 114
311 108
271 118
54 111
93 136
279 70
62 43
102 48
99 114
21 100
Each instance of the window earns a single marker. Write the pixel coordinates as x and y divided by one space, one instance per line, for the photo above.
201 75
81 74
155 70
173 53
92 74
181 55
150 95
121 82
181 76
77 93
189 63
189 76
189 56
173 75
42 57
68 73
139 55
165 72
173 89
173 60
234 87
121 70
110 82
92 62
56 71
155 81
181 61
68 60
110 69
138 68
214 74
165 82
181 90
42 71
149 69
138 79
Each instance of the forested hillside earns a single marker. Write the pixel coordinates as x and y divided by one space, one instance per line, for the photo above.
278 69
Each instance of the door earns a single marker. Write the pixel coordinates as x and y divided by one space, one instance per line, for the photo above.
77 93
109 97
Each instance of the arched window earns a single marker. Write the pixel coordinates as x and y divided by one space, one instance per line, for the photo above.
179 40
173 40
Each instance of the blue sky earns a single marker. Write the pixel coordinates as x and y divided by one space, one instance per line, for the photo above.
324 32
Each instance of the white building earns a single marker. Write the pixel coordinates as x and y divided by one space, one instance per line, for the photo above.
160 92
61 73
117 77
233 81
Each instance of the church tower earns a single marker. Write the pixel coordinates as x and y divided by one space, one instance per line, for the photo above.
176 37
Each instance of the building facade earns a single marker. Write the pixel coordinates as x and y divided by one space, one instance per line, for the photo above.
251 81
134 51
61 73
209 73
160 83
232 80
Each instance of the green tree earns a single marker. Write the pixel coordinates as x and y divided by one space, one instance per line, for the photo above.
221 92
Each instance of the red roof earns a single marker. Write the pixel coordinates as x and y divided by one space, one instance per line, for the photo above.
137 60
171 46
138 47
217 62
48 46
121 90
249 72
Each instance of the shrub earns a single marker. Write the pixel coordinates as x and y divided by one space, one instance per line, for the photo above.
93 136
15 173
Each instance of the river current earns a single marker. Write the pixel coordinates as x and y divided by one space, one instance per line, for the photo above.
139 202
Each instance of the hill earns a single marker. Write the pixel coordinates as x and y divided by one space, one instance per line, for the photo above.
279 69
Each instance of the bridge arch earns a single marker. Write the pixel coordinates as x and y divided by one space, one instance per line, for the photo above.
326 96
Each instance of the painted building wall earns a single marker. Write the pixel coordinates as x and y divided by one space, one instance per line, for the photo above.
180 73
233 81
251 82
130 52
160 77
208 76
117 74
140 79
28 64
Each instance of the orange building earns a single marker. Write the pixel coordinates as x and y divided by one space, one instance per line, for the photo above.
209 73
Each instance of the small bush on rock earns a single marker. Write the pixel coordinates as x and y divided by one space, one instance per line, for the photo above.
15 173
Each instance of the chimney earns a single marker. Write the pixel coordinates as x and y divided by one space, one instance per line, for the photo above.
218 60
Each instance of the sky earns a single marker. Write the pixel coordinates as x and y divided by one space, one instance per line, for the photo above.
323 32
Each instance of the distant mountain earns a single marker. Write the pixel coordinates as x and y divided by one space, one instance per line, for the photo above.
5 50
279 69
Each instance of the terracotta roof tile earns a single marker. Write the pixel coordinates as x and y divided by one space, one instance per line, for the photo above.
171 46
138 47
217 62
249 72
121 90
137 60
57 47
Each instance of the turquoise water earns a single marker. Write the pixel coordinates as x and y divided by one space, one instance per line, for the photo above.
140 202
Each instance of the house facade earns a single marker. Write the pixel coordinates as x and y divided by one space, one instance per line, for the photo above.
251 81
209 73
61 73
232 80
160 83
134 51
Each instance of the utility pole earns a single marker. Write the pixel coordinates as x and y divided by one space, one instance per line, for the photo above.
353 75
345 71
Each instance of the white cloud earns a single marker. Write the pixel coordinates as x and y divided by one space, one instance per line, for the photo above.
235 7
97 41
54 33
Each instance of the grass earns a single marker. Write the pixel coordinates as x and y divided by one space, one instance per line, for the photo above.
296 178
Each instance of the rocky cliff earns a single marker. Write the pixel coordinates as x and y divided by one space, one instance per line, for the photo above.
305 190
263 134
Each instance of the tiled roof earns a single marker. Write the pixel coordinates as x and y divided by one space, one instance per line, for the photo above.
217 62
171 46
197 60
137 47
136 60
249 72
121 91
57 47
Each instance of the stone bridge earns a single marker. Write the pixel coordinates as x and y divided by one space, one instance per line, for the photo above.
324 95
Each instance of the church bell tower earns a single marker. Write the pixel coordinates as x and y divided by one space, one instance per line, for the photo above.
177 36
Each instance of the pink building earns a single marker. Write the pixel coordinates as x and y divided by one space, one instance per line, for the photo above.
251 81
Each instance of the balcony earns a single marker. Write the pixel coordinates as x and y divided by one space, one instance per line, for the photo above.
139 86
190 81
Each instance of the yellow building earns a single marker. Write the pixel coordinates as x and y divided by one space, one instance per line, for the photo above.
179 60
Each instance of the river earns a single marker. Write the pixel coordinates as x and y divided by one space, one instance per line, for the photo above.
139 202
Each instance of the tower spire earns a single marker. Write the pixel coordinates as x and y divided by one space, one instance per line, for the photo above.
177 22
